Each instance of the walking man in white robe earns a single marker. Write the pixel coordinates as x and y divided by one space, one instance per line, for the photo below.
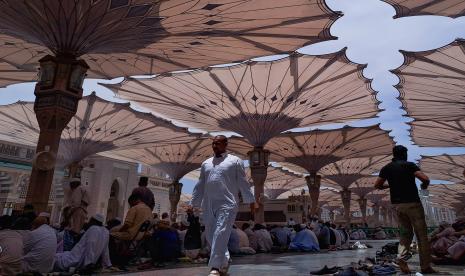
222 177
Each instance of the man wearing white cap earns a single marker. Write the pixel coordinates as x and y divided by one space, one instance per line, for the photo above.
76 200
92 247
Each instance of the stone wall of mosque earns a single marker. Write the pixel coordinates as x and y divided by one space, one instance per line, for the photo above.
108 181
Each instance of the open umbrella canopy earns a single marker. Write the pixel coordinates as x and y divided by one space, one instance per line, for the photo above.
308 152
259 100
126 37
432 83
432 133
345 172
452 8
444 167
280 181
176 160
10 74
364 186
378 196
98 126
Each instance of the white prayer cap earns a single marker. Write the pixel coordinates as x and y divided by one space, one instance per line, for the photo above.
75 179
44 214
99 218
303 225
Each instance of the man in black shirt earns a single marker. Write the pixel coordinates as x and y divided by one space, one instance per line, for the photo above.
401 175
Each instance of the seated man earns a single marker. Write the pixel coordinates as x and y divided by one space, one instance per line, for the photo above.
165 244
137 214
40 246
264 241
448 243
237 245
380 234
304 240
91 248
250 235
283 235
324 235
11 243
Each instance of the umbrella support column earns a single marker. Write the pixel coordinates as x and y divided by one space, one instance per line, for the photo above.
362 202
376 214
174 195
258 160
314 183
346 197
57 96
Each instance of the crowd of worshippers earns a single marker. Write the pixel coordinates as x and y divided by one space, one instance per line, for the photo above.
30 244
448 243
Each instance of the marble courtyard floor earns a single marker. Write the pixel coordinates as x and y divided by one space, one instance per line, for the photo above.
291 264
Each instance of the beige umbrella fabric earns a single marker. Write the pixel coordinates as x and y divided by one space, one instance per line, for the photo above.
452 8
308 152
98 126
432 83
259 100
123 38
445 167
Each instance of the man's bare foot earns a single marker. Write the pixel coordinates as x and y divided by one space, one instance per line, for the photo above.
403 266
429 270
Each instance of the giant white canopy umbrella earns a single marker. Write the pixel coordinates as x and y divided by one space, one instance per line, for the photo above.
432 83
345 172
259 100
117 38
98 126
445 167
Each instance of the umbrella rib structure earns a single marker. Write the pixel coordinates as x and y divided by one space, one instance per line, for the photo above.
258 100
176 160
444 167
308 152
432 92
150 37
98 126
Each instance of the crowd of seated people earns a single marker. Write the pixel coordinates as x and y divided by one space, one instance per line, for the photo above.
448 243
30 245
38 247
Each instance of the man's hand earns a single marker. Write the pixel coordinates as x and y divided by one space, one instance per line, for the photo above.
254 206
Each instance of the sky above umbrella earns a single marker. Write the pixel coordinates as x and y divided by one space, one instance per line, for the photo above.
372 36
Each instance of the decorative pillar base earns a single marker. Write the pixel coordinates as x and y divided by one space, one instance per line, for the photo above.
175 196
314 184
258 161
362 202
57 96
376 214
346 195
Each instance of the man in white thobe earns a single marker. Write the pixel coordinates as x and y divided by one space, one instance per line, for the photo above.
222 177
76 200
40 246
91 248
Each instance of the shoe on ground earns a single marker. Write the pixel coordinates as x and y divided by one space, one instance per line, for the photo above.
429 270
214 273
325 270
